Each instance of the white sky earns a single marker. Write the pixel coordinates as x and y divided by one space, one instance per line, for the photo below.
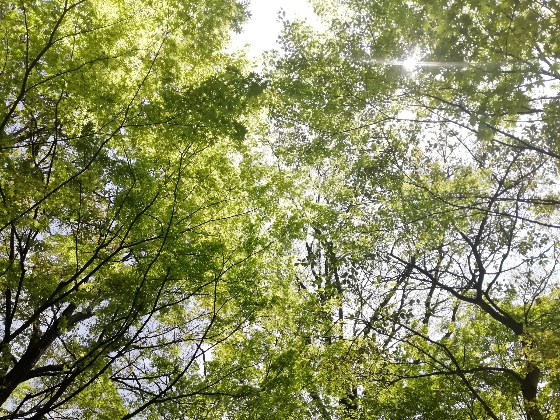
262 29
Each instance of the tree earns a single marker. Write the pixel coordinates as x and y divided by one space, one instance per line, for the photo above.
401 251
435 190
132 247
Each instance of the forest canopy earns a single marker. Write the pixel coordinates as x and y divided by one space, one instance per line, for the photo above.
365 228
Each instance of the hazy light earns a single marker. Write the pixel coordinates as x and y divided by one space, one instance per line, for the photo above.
410 63
261 31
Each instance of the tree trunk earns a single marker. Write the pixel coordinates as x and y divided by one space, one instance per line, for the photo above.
529 389
36 348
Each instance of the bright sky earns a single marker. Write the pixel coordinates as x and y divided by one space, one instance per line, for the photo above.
262 29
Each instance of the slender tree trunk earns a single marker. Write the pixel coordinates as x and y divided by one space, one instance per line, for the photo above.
37 346
529 390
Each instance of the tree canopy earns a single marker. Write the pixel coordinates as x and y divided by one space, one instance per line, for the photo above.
368 228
